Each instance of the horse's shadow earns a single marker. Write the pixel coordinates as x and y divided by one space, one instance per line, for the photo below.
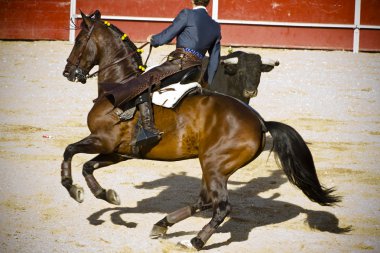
249 209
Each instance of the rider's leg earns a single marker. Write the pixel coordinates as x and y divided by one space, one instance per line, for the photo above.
150 133
185 76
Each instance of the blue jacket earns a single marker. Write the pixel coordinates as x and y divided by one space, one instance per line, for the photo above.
196 30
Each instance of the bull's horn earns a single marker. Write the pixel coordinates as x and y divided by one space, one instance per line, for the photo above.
270 62
233 60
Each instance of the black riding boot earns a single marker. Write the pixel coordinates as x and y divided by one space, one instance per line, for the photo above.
149 134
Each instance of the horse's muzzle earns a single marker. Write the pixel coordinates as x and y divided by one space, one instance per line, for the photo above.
69 73
74 74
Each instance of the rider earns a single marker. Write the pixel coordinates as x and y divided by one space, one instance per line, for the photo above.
196 33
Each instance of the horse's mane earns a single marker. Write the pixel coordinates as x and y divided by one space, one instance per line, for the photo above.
96 17
128 43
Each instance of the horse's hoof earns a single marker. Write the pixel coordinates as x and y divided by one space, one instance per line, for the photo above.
112 197
158 232
197 243
76 192
186 244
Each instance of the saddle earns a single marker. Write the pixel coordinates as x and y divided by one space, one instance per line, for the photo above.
171 95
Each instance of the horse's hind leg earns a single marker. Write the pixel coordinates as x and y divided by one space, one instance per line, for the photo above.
203 203
217 186
98 162
89 145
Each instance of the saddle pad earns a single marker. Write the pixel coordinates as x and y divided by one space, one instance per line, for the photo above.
170 95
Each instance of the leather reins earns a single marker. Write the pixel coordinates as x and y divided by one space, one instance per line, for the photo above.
122 59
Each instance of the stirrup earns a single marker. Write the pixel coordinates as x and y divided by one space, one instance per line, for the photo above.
147 137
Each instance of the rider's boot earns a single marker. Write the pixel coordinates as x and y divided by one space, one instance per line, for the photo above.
149 134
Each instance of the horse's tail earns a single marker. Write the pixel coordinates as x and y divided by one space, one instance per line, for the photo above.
294 157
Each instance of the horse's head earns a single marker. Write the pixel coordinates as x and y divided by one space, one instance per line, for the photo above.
101 43
84 55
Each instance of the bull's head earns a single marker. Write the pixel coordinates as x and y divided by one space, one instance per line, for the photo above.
247 68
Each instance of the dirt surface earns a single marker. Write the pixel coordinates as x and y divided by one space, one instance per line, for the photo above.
332 98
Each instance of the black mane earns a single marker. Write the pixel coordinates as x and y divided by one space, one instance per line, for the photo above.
137 57
96 17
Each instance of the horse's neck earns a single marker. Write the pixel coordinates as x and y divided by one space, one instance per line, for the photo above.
116 66
119 72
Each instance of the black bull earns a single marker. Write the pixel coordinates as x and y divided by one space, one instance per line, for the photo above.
239 73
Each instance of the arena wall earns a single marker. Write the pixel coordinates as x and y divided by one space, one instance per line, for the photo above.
313 24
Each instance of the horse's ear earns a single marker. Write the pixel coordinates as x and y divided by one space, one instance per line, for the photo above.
86 20
97 15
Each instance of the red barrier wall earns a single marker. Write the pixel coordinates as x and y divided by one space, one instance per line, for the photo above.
34 19
145 8
288 37
48 19
370 12
370 15
310 11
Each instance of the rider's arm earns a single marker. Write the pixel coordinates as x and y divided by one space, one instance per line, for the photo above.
172 31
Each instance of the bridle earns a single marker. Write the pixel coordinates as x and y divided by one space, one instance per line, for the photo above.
79 72
82 74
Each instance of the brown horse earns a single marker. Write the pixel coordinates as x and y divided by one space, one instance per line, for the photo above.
222 132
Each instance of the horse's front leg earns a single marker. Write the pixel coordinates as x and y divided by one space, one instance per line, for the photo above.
98 162
90 145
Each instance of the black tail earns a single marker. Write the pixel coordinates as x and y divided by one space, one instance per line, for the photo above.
294 157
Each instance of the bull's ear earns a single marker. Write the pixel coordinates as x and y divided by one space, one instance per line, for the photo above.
86 20
266 68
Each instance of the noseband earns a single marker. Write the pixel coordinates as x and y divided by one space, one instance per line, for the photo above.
84 74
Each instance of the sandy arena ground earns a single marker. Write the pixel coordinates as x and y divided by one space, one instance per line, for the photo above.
331 97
